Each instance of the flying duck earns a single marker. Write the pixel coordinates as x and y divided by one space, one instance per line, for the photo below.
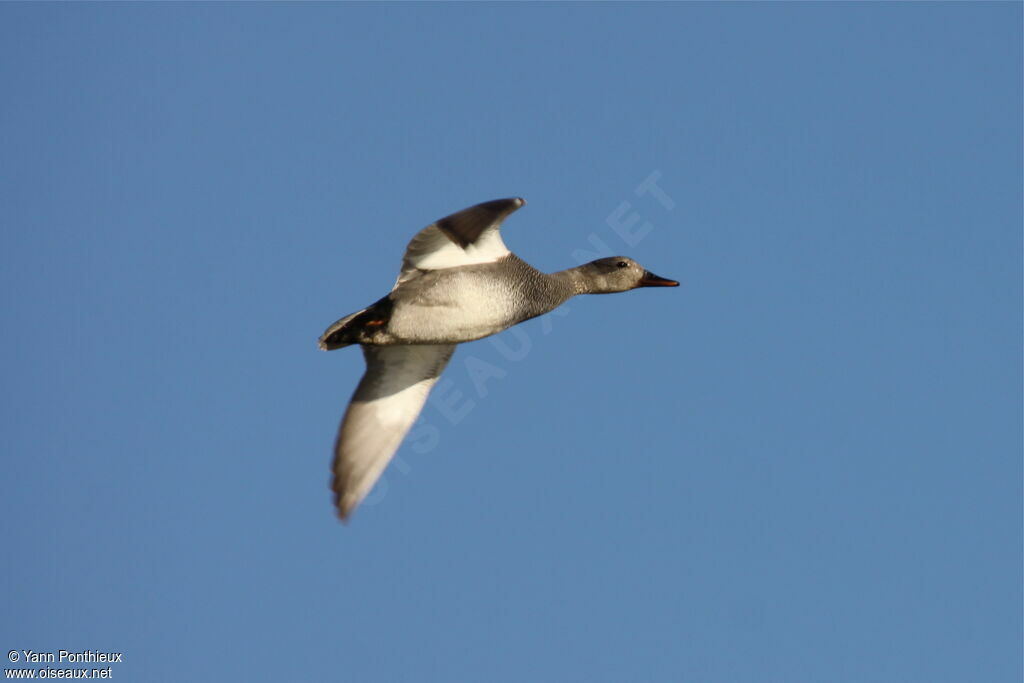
458 282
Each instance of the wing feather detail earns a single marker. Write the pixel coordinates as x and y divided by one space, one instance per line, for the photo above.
387 401
469 236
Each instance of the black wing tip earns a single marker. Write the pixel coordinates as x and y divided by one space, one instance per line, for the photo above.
506 205
496 208
465 227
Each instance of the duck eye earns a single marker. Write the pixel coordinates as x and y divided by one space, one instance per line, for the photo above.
621 264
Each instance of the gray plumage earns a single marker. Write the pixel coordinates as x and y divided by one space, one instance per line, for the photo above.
458 283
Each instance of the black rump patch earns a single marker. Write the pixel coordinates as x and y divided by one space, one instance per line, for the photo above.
360 328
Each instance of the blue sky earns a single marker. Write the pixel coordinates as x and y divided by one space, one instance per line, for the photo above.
804 464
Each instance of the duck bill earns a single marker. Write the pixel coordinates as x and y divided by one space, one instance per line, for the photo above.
651 280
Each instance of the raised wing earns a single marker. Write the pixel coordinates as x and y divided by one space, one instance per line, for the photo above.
386 403
469 236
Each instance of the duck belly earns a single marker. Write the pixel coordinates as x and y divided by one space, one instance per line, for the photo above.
455 309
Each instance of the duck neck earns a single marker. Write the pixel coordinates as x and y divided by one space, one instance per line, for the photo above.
570 282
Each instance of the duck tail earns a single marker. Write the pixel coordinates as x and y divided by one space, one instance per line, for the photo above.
357 328
332 338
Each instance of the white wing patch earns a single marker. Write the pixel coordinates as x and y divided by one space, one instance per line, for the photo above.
433 249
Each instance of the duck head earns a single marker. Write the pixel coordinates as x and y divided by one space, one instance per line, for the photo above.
620 274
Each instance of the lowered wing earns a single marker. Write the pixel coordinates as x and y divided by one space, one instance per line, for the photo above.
386 403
